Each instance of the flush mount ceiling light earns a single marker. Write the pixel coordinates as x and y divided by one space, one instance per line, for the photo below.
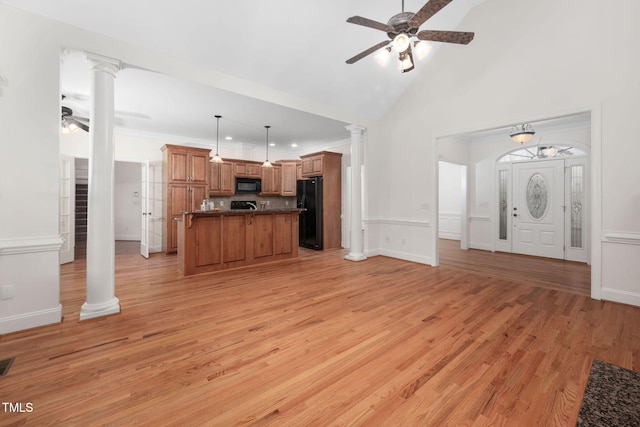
405 25
522 133
267 163
217 158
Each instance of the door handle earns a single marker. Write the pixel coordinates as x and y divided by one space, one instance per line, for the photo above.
515 214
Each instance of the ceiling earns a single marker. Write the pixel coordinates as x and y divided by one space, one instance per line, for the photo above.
296 47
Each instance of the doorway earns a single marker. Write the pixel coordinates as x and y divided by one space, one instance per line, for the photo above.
479 150
541 206
127 205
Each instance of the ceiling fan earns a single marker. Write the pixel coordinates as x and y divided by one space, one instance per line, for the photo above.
405 25
71 123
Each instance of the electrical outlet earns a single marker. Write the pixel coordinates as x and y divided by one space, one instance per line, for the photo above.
221 203
286 203
7 291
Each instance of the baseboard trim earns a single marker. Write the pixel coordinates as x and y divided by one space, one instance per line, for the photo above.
31 320
617 295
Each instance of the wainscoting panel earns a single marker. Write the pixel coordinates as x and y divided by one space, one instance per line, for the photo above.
30 268
620 267
450 225
406 239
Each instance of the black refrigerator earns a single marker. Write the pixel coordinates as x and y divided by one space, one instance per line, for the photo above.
309 193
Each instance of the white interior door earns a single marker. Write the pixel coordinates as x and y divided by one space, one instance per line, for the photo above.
538 208
67 208
146 214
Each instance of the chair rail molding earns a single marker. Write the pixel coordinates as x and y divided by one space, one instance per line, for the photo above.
30 245
629 238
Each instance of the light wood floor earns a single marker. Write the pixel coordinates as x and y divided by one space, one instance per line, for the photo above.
323 341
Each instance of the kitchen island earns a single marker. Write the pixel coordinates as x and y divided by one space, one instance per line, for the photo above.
221 239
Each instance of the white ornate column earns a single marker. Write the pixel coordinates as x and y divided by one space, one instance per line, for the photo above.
101 299
356 252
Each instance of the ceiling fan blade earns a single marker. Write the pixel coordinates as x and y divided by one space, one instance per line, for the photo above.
428 10
78 123
359 20
459 37
372 49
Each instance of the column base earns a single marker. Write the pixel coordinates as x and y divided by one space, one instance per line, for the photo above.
90 311
356 257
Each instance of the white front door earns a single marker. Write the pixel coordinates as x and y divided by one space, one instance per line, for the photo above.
145 211
67 208
538 208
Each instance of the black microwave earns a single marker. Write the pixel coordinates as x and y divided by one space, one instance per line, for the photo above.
248 185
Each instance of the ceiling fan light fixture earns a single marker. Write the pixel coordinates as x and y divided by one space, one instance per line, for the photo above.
522 133
406 61
267 163
401 42
421 48
68 128
383 56
217 158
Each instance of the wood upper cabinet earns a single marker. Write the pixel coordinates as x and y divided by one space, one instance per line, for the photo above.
271 180
289 178
221 179
186 165
312 165
248 169
185 185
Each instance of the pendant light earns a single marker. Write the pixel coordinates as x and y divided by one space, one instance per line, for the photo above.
267 163
217 158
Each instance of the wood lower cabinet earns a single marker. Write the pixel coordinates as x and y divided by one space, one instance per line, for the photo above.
211 241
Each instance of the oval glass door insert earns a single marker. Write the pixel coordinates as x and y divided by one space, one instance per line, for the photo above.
537 196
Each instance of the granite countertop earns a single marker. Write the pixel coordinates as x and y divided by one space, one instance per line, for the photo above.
243 211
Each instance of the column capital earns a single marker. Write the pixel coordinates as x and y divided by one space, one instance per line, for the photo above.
103 63
355 128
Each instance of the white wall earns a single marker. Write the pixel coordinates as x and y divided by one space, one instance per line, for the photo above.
557 58
29 171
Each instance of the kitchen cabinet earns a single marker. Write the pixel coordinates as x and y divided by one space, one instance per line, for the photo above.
289 178
187 165
271 180
312 165
221 179
185 185
248 169
218 240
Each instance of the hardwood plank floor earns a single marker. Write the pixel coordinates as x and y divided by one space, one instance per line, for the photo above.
322 341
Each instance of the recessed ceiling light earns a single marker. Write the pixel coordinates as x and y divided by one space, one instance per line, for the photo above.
228 138
294 145
272 144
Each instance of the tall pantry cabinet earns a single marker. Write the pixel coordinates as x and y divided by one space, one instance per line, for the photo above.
185 184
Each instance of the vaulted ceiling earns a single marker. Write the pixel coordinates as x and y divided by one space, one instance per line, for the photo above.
297 47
